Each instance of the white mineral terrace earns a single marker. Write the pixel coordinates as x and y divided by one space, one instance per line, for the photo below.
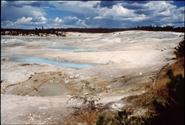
38 74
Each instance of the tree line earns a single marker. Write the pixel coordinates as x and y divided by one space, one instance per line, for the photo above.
62 31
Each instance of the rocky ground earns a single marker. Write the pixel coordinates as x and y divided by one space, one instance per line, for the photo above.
44 78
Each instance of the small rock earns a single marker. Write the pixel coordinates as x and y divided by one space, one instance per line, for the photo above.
66 81
117 106
71 77
77 75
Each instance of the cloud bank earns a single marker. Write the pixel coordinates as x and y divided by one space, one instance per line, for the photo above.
109 14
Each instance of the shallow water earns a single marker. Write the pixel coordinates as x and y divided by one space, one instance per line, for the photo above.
38 60
73 49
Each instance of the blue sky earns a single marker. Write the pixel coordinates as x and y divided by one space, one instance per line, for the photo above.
91 14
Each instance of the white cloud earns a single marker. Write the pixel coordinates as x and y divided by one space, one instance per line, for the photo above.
58 20
161 8
7 24
92 8
81 23
23 3
160 11
98 17
80 4
24 20
40 20
139 17
116 10
159 5
3 3
166 12
18 9
90 13
120 13
70 18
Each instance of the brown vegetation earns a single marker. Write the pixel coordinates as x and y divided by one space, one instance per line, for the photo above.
180 49
84 116
162 104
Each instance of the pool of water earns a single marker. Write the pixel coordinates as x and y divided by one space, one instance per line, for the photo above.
73 49
38 60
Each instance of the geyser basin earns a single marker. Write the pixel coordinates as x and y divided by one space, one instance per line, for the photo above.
39 60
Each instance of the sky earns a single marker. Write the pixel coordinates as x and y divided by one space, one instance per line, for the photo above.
91 14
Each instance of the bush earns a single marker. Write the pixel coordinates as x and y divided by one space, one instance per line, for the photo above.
179 50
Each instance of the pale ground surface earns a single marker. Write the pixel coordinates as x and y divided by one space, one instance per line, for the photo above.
36 90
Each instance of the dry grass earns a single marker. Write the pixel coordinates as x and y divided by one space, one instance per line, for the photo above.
179 50
84 116
163 80
159 101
